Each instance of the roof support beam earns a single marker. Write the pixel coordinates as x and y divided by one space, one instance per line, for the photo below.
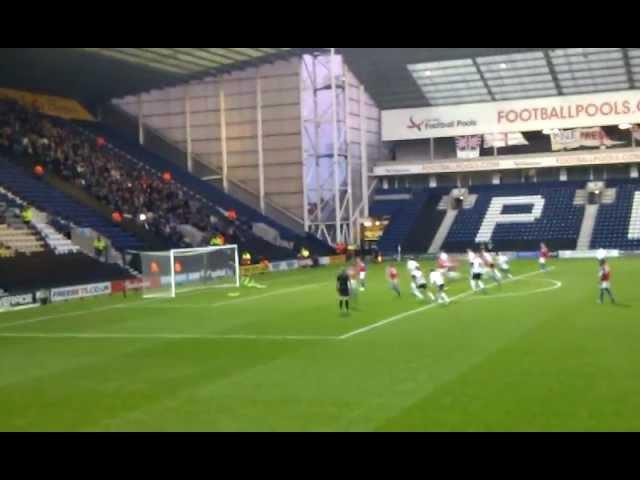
199 54
168 55
137 60
155 60
627 66
180 56
552 70
215 53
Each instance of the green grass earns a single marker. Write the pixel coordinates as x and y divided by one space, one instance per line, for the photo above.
513 360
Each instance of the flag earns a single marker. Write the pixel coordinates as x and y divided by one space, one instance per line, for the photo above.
500 140
581 137
468 147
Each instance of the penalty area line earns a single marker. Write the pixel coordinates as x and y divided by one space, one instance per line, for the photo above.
555 285
165 303
162 336
429 307
281 291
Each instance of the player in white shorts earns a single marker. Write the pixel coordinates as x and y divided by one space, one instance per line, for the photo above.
605 282
491 265
447 267
418 283
436 279
543 257
412 265
477 272
471 256
503 265
352 272
443 261
362 269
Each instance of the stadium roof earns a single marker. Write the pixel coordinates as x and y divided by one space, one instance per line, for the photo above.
417 77
395 77
194 61
96 75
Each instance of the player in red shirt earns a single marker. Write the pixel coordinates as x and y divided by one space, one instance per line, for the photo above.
605 282
543 257
392 275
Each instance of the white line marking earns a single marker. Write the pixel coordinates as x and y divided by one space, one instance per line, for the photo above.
22 307
140 302
273 278
162 336
60 315
428 307
555 286
238 300
99 336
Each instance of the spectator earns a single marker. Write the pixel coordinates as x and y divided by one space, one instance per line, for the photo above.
108 175
100 248
27 214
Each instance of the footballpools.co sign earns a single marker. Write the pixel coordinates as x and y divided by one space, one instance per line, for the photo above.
594 110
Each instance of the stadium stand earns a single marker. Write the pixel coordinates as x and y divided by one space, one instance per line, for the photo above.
10 205
15 180
15 235
131 180
38 256
558 225
615 226
202 190
427 223
416 217
403 207
55 240
21 240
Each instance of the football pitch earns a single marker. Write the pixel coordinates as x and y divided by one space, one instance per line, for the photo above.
535 354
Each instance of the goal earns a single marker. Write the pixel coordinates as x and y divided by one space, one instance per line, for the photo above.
170 273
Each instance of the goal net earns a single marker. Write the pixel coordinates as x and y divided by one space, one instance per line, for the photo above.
170 273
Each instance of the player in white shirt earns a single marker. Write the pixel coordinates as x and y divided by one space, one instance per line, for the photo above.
352 272
491 265
503 265
447 267
436 279
418 282
362 270
412 265
477 271
471 256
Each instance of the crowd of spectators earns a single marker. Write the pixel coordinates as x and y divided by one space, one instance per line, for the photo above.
107 175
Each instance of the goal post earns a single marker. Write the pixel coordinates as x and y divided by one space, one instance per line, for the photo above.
167 274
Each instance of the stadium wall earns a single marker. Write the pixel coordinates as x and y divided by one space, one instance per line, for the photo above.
228 137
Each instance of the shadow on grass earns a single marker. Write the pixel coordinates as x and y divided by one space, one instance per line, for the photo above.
621 305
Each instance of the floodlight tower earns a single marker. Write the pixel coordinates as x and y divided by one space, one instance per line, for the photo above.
336 183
